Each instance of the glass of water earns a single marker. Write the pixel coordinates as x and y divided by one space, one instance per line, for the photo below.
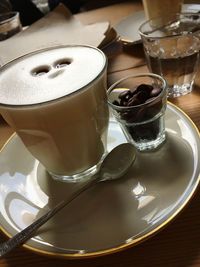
171 44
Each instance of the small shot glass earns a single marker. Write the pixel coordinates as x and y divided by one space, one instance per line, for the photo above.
138 102
9 24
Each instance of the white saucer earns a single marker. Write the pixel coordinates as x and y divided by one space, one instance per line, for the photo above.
112 215
127 28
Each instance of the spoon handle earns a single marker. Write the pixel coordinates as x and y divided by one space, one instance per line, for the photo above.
25 234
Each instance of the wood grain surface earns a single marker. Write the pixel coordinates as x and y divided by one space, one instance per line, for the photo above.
178 244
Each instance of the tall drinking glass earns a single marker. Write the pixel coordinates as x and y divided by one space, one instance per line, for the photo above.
55 100
155 8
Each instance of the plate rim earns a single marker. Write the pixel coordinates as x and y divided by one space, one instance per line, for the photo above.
136 241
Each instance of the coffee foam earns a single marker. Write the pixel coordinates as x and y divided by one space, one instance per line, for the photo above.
49 74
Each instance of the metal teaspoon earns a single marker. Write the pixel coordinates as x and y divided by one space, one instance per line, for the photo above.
115 165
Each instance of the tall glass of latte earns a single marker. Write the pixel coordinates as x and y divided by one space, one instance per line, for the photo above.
55 100
155 8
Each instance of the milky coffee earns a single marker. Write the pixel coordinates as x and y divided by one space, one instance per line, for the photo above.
155 8
55 100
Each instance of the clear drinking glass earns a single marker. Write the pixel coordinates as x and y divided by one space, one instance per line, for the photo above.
171 44
9 25
55 100
138 103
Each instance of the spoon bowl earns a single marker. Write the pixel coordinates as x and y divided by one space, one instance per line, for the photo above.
117 162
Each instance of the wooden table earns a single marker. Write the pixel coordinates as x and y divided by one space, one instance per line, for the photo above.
178 244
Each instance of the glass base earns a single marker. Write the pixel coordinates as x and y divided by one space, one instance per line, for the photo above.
78 177
147 136
150 145
179 89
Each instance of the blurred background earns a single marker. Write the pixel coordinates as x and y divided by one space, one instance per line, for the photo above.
32 10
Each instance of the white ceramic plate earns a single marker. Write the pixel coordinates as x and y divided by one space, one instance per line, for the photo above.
127 28
112 215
